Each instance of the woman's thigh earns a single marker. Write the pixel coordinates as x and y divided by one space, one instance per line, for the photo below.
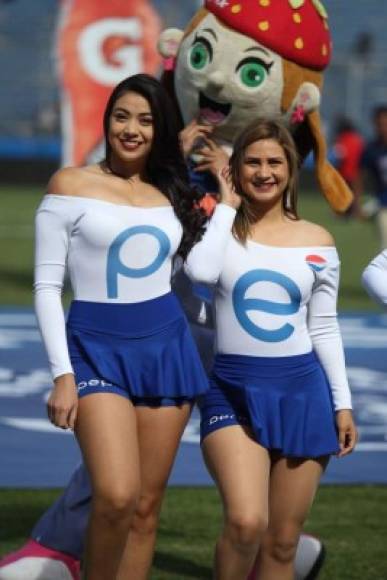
293 485
241 469
159 432
107 434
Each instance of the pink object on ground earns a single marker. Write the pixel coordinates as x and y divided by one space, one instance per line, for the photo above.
33 549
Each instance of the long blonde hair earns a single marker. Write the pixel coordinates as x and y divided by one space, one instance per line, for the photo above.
258 130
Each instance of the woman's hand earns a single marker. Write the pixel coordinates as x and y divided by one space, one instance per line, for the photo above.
227 193
62 404
211 157
192 132
347 432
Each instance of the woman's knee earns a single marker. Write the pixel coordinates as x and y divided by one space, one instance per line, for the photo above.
115 504
281 544
147 511
246 529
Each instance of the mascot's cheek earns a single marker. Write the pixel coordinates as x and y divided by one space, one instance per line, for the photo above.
264 101
188 97
187 86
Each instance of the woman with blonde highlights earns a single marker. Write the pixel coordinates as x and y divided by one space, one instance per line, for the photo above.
279 404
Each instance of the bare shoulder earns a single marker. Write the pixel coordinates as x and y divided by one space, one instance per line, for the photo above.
314 234
71 180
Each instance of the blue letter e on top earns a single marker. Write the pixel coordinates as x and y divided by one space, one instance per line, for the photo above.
242 304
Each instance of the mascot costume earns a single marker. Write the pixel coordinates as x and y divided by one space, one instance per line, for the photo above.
236 60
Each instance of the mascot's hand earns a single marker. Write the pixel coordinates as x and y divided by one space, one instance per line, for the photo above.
306 100
210 157
194 131
227 193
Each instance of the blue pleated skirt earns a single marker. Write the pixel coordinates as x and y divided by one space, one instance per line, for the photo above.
143 351
285 401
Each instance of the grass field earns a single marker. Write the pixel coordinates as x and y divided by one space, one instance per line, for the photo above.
356 241
350 520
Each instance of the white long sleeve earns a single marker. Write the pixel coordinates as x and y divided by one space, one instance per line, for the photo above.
205 261
325 333
51 247
374 278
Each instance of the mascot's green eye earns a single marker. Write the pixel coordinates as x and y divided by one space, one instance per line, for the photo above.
252 74
199 56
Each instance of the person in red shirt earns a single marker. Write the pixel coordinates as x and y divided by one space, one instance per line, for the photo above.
348 149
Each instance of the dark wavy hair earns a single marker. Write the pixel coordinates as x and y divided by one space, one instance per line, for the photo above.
256 131
165 167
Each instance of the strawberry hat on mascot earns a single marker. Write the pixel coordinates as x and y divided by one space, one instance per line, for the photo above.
242 59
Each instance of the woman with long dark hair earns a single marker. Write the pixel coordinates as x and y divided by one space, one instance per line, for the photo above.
126 371
279 404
